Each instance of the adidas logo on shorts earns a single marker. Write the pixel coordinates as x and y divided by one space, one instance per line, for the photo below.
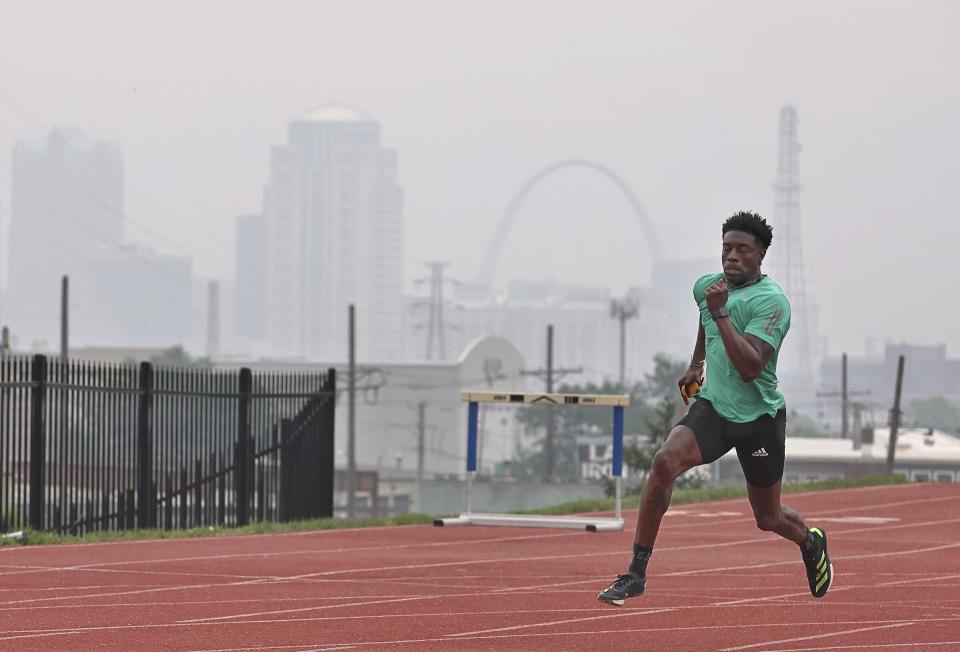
762 452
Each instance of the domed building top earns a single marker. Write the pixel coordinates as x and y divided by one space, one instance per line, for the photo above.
334 113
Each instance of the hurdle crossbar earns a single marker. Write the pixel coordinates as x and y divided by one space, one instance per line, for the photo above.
588 523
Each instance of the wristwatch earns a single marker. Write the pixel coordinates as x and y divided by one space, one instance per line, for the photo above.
722 311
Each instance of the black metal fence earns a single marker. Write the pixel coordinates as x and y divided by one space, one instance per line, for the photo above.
95 446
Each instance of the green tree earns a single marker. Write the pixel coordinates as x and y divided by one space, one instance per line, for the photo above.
799 425
638 454
176 356
649 399
662 380
934 412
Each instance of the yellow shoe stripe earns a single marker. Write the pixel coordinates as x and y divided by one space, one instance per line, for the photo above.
823 580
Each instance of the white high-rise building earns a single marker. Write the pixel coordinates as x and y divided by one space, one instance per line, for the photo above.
334 226
66 215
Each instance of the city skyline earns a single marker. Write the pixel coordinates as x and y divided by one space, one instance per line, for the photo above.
676 100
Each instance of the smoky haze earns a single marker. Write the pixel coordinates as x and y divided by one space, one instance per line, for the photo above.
681 100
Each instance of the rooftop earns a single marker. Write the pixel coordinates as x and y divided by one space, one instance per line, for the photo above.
334 113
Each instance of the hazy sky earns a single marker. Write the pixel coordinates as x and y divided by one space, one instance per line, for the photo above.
681 99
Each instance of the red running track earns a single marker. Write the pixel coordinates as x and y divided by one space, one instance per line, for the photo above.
716 583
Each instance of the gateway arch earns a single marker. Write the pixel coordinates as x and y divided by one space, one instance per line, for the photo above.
488 266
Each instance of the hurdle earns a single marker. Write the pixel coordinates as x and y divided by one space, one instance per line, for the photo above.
588 523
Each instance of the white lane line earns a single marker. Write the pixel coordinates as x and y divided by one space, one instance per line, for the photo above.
362 603
872 646
24 589
447 639
231 537
481 541
273 580
63 633
434 544
816 636
316 551
310 551
619 614
643 630
526 587
912 551
669 609
817 513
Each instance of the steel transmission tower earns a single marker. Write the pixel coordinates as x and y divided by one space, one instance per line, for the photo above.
435 323
799 362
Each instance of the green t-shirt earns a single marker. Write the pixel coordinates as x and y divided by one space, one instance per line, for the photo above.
762 310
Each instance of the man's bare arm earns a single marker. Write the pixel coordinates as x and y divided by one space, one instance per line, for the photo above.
748 354
694 372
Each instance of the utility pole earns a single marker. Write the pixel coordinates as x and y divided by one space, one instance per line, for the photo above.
548 377
622 311
213 319
352 416
843 411
5 341
895 417
421 437
64 317
844 394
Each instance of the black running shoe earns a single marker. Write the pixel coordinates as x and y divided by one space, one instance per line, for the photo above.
819 568
626 586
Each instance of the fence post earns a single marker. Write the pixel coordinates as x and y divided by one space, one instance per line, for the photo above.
145 448
38 443
243 447
326 472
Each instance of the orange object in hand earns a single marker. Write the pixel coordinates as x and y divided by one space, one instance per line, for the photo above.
690 390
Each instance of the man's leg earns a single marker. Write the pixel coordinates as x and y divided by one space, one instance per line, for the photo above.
679 453
772 516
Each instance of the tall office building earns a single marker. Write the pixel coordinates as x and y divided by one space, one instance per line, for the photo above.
67 219
333 231
66 213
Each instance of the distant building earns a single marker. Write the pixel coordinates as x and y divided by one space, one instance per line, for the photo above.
388 400
584 333
927 372
66 216
673 283
250 264
333 232
922 455
146 297
67 219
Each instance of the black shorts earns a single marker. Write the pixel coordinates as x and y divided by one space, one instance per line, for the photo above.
759 443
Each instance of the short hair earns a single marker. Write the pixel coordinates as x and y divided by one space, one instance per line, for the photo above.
750 223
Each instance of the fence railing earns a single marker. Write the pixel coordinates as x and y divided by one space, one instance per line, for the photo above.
93 446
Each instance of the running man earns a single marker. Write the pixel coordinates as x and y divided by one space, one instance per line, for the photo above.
744 317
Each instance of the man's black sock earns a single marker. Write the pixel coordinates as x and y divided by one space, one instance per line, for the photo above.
641 555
